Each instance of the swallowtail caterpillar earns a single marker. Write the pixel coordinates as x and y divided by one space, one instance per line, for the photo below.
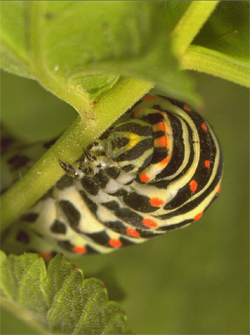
157 169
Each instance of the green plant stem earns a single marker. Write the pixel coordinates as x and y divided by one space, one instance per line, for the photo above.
190 24
61 88
217 64
68 148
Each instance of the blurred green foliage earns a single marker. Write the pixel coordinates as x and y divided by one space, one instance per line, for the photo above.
192 281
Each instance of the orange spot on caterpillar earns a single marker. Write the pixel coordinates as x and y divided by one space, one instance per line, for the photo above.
76 268
187 108
207 164
144 177
193 185
149 223
204 126
156 202
198 216
161 142
115 243
148 97
79 250
219 188
132 232
160 126
164 161
45 255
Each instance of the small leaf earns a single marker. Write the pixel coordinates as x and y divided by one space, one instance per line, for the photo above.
58 300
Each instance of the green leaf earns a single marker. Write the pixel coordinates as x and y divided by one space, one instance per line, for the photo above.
58 300
222 46
78 50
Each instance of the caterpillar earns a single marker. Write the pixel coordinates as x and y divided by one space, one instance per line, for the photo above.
155 170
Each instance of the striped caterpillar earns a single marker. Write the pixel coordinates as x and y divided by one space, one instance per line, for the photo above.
157 169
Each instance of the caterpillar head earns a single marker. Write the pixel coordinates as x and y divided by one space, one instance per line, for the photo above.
130 145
